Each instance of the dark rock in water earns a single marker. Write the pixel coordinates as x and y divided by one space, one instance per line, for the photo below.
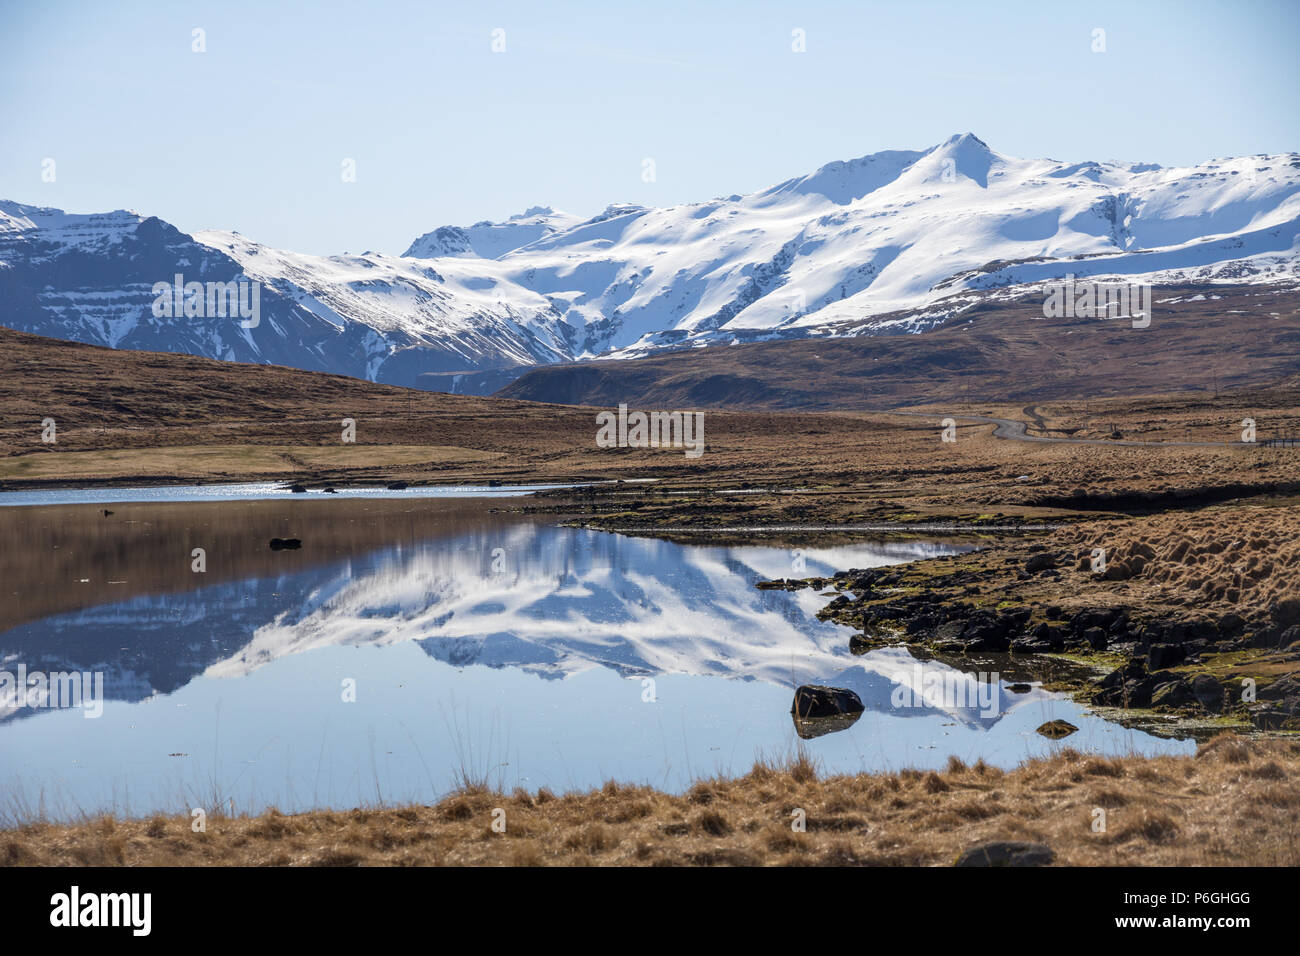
285 544
298 489
1165 655
330 491
817 700
1056 729
858 644
1019 688
1040 562
397 486
1007 853
810 727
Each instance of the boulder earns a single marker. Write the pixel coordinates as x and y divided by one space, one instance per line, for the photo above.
298 489
1137 693
1165 655
1174 693
1230 624
818 700
1208 692
1115 681
1096 638
1286 612
1042 561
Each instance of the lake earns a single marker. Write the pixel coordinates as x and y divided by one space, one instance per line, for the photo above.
410 643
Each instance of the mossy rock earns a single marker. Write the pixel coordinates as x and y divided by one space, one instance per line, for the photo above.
1056 729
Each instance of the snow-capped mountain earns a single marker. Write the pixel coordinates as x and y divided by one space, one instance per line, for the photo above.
489 240
896 241
92 278
898 231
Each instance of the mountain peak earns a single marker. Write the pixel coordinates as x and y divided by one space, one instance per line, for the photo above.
491 240
969 140
961 156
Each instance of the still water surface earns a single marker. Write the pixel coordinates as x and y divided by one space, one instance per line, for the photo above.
253 491
474 641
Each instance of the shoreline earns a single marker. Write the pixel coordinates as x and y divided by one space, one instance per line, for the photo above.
1231 804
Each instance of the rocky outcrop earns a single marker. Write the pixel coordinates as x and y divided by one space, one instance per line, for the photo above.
964 607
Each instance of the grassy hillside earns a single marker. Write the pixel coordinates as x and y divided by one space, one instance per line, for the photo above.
1244 338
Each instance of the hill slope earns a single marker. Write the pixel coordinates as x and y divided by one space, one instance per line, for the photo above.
1005 352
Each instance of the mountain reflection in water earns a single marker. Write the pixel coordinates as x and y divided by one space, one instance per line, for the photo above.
569 645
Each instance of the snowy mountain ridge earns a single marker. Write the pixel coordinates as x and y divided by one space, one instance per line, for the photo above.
892 242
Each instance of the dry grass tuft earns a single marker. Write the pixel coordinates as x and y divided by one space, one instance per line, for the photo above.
1235 803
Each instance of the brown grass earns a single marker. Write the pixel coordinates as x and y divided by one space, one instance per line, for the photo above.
149 417
1240 559
1234 803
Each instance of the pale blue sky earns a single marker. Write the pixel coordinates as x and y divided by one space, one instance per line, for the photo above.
251 134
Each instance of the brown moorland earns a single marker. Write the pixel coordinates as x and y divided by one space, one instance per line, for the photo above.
133 417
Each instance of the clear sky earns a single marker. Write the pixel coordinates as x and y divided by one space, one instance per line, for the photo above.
252 134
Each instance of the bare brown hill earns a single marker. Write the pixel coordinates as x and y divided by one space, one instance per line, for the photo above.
1203 339
136 417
